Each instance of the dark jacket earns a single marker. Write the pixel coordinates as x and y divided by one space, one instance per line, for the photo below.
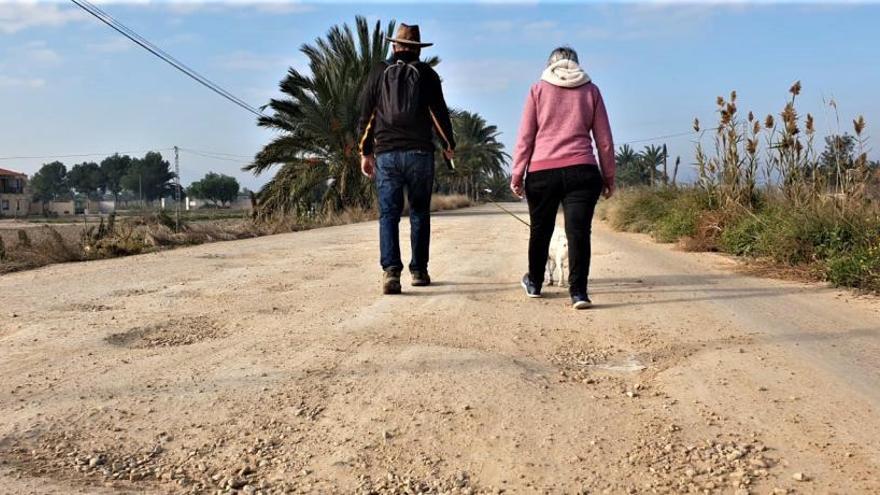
376 137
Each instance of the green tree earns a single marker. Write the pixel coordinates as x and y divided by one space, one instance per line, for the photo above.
317 124
50 182
652 158
150 177
497 188
641 168
479 156
837 158
629 167
113 169
217 188
87 178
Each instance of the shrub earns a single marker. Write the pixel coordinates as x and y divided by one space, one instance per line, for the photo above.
742 235
682 219
640 209
859 268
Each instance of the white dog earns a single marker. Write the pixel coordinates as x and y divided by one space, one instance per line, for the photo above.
558 257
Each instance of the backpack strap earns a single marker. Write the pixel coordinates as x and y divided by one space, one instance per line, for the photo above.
410 65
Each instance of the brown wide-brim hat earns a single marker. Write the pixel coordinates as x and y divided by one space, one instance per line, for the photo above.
408 35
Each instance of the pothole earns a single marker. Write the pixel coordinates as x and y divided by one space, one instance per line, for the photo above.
86 308
628 364
581 364
210 256
133 292
171 333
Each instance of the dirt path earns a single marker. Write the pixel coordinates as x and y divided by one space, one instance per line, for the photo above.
273 365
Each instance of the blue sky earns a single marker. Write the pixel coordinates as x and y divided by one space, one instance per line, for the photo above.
70 85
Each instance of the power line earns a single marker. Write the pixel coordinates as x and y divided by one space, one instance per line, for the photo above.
218 153
105 17
213 156
667 136
158 52
81 155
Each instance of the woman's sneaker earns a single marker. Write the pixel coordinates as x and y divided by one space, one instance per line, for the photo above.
580 301
531 289
391 282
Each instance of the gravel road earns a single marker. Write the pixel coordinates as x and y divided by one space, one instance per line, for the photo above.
274 365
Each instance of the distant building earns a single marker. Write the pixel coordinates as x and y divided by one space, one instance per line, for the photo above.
242 202
15 198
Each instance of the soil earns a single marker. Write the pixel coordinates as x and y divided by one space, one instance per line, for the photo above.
274 365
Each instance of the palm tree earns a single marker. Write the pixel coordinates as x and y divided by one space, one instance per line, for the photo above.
628 166
317 121
480 157
652 157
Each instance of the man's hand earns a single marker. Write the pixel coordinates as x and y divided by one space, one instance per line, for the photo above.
608 190
368 166
516 186
449 154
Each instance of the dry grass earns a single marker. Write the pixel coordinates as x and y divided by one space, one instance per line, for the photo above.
450 202
26 248
764 193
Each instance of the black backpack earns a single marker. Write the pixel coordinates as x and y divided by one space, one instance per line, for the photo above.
399 96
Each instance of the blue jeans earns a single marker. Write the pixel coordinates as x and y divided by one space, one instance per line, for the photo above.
413 170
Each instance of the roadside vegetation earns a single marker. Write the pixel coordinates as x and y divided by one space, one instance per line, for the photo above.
763 191
114 236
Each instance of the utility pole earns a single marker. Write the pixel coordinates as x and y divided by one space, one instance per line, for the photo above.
665 165
177 186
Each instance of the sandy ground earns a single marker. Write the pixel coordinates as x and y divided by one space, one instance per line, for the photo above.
273 365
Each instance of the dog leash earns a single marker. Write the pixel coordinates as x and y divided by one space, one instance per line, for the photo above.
505 210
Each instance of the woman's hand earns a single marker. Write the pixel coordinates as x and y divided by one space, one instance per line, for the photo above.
608 190
516 186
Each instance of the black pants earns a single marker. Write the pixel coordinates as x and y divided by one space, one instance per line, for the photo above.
578 188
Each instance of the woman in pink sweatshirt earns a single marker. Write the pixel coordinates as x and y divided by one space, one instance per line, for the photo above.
554 163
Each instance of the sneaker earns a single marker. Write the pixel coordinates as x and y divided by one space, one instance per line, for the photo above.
391 282
580 301
420 278
531 289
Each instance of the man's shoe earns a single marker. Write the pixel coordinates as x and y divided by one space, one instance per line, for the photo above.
420 278
580 301
391 282
531 289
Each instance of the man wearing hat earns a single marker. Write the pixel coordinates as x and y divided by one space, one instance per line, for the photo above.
402 106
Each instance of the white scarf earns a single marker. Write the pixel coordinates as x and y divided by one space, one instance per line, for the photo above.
566 74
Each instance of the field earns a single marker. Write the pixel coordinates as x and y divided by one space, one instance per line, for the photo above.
35 243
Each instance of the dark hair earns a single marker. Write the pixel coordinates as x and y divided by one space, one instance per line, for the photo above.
562 53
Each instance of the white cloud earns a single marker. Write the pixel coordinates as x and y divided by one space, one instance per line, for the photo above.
186 7
499 25
111 45
523 29
485 75
248 61
15 17
19 15
17 82
280 7
178 39
37 52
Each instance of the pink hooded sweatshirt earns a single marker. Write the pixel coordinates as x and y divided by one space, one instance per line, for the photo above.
561 111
